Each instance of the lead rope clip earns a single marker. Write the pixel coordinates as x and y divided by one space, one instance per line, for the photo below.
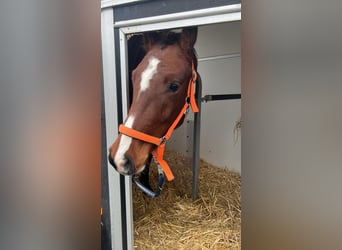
145 189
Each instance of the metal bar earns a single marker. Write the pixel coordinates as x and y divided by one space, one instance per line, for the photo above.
110 101
209 58
124 73
128 180
208 98
121 110
181 15
196 21
112 3
105 212
196 140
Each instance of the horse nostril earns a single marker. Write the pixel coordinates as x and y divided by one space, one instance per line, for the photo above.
111 161
128 166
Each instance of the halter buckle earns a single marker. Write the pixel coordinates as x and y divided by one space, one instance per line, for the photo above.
162 140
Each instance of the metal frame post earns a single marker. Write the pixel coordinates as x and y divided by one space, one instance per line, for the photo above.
196 140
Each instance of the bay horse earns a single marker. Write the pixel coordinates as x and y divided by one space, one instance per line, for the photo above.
163 90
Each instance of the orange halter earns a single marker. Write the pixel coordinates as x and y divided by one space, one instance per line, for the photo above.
158 153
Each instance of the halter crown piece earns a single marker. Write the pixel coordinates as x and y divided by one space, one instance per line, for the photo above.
158 153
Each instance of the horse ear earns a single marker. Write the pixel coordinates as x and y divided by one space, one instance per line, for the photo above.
188 37
149 39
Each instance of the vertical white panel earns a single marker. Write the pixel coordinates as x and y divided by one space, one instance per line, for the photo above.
221 144
110 98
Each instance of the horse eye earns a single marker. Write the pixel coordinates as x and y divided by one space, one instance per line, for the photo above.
174 86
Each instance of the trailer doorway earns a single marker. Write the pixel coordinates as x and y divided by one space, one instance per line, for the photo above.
119 20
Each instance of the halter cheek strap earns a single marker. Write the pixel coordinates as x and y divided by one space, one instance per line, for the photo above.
158 153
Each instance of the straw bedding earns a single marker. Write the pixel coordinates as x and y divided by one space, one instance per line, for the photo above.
175 221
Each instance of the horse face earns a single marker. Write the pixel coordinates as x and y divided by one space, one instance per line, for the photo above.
160 85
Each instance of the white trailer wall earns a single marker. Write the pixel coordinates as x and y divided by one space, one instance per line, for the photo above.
218 49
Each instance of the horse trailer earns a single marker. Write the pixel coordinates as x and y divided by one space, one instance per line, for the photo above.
212 134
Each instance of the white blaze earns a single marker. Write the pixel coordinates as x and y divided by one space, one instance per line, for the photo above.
148 73
125 143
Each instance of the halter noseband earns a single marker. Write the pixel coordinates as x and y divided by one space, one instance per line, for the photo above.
158 153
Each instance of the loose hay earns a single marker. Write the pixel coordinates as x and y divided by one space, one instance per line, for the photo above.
175 221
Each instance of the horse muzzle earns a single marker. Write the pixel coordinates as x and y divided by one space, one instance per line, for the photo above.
124 166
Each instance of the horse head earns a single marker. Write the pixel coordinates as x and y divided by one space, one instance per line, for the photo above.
160 85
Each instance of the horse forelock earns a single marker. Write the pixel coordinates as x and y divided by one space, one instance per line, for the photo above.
168 38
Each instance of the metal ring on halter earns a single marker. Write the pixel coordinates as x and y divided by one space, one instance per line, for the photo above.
146 190
162 140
